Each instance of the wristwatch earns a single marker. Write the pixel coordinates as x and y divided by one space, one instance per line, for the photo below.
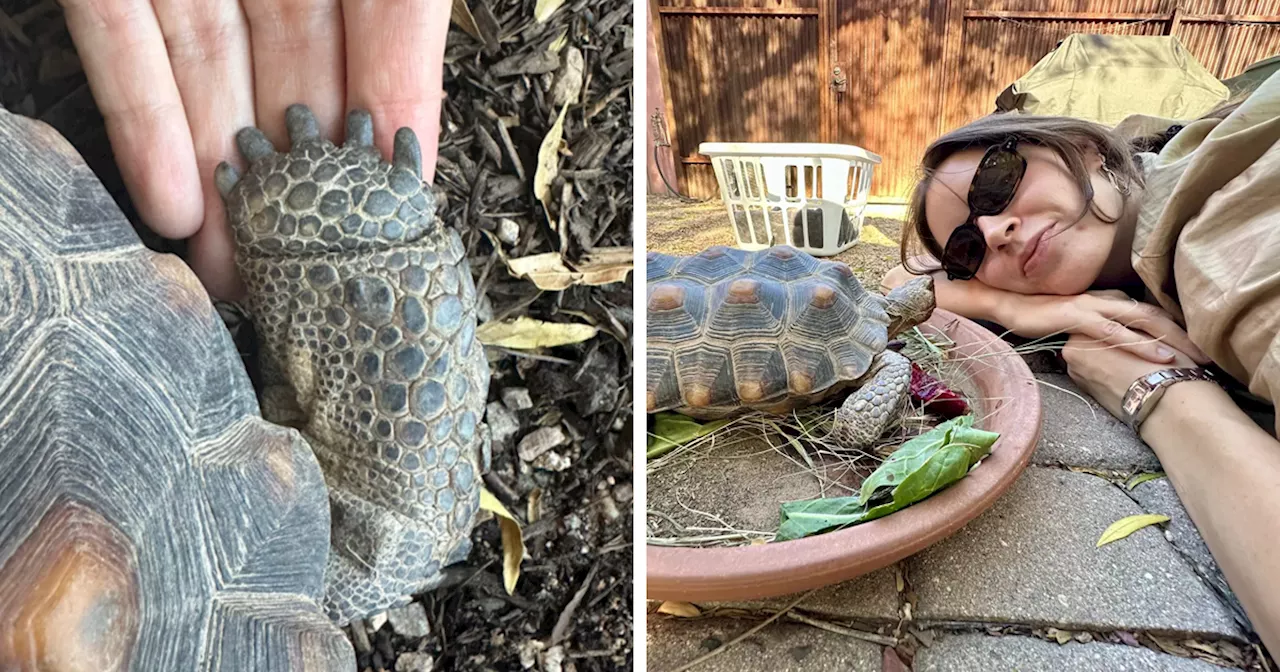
1143 394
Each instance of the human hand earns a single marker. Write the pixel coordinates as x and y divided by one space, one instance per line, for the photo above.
1107 318
175 80
1106 371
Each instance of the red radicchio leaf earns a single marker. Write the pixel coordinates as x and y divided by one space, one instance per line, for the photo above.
935 395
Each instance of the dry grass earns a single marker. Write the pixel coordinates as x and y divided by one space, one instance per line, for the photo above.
679 228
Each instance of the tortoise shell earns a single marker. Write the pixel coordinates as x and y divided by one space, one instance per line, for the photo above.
152 520
771 330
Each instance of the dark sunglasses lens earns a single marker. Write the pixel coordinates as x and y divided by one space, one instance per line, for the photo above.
964 252
995 182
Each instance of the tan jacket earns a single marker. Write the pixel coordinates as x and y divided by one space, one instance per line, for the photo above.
1207 244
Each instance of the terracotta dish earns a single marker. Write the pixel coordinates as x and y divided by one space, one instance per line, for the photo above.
752 572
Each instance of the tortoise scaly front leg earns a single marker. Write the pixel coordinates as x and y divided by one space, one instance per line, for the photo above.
876 405
365 306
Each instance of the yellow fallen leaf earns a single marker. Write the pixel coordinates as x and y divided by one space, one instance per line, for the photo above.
1139 479
526 333
1128 525
558 43
681 609
512 539
545 8
549 162
549 272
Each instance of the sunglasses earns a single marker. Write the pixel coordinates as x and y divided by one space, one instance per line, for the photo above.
992 189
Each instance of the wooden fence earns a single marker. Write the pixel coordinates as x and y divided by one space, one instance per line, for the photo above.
760 70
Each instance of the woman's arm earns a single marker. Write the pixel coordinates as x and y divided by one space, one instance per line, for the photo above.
1110 317
1225 469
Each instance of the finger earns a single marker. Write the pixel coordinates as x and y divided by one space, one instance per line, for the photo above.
208 42
298 57
395 66
123 53
1154 321
1109 333
212 258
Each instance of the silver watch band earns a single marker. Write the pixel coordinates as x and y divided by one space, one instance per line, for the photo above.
1141 397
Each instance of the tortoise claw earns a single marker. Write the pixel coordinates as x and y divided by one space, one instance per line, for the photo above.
405 151
253 144
225 176
301 123
359 129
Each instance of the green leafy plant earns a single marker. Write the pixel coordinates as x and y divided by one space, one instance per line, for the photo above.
922 466
672 429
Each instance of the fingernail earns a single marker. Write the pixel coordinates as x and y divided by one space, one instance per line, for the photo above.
1163 351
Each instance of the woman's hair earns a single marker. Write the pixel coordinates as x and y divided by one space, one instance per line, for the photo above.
1069 138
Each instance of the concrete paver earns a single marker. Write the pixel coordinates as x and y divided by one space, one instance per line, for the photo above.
1032 559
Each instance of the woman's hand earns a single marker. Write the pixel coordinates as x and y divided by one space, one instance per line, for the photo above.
1106 318
175 80
1106 371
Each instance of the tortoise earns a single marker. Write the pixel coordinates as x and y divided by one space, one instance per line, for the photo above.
775 329
365 307
150 519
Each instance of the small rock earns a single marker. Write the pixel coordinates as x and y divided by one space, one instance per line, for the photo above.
503 424
553 659
410 620
508 231
517 398
623 493
552 461
377 620
529 650
608 507
540 441
415 662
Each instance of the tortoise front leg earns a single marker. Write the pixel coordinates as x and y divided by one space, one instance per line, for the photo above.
876 406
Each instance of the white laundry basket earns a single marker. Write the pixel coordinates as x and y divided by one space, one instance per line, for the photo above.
814 193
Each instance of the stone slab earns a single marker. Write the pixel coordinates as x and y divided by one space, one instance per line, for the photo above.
1077 432
1158 496
871 597
1032 559
973 652
784 647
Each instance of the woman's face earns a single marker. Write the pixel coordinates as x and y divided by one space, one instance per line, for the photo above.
1039 244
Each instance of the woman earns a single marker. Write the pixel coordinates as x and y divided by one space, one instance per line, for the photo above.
1045 225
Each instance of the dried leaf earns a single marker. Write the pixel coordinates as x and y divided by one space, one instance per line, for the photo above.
1128 525
545 8
526 333
1139 479
1060 636
548 271
534 507
549 162
512 539
462 16
568 82
681 609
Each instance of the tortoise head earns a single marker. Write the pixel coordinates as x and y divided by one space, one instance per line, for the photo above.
910 304
320 197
